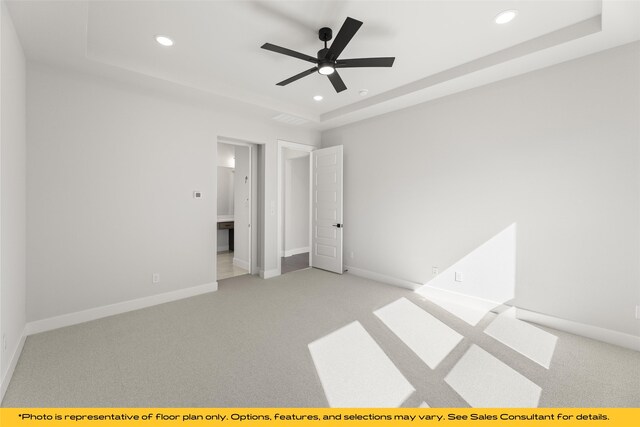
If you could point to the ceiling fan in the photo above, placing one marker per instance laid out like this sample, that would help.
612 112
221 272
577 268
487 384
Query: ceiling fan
327 61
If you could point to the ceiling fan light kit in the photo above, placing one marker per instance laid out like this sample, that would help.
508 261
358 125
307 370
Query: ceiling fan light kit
326 69
327 62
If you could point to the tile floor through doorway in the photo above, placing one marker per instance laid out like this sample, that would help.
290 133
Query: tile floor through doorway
226 269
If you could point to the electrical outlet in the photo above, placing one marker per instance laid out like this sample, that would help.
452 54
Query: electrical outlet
638 311
156 278
434 271
4 342
351 255
458 276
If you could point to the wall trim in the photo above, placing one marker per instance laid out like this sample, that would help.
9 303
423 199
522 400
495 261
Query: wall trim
378 277
4 384
589 331
449 293
595 332
241 263
268 274
296 251
69 319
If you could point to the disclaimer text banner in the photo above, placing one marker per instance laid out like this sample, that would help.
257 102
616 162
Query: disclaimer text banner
300 417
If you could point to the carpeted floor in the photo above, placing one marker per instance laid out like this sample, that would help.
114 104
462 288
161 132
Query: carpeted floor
247 345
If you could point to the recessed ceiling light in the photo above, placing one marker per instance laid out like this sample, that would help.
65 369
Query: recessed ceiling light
363 92
164 40
506 16
317 98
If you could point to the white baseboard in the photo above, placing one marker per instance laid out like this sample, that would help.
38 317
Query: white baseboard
595 332
268 274
382 278
449 294
56 322
241 263
223 248
296 251
4 383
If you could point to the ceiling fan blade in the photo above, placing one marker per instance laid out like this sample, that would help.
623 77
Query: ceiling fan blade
346 33
298 76
365 62
337 82
289 52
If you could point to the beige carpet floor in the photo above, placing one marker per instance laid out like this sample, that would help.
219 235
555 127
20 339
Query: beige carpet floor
246 345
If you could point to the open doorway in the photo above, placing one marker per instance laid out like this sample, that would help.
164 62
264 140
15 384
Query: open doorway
237 209
295 211
325 208
294 222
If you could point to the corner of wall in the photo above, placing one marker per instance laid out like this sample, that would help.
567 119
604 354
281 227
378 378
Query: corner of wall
6 379
12 198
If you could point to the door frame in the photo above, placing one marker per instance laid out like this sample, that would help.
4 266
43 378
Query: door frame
253 240
282 144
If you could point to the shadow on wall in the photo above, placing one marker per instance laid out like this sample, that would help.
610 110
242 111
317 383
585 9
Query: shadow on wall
356 372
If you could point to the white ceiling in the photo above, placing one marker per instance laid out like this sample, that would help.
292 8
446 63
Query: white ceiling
441 47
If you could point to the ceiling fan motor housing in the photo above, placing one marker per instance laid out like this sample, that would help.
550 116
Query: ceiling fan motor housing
323 60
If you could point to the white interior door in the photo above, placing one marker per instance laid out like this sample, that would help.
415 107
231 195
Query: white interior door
326 209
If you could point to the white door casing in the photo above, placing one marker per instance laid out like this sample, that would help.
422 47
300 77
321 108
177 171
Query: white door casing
326 209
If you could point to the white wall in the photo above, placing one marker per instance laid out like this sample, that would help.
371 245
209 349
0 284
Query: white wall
488 272
555 151
225 189
111 171
296 205
226 155
224 197
12 196
242 207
